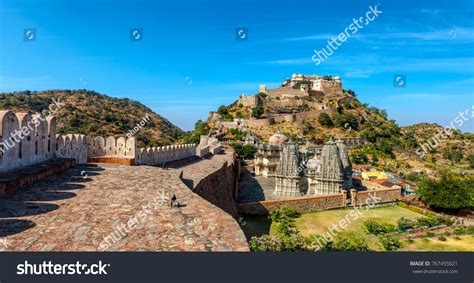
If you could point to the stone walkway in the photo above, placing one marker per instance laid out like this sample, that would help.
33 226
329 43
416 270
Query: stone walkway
114 208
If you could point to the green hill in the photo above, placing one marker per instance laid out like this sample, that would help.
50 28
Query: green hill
91 113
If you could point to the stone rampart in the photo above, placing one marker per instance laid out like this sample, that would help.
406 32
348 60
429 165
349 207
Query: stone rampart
72 146
164 154
381 195
25 139
317 203
301 204
215 179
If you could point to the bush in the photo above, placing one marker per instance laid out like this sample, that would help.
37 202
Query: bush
390 243
405 224
470 230
434 221
360 158
287 238
460 231
350 244
430 233
428 221
264 243
325 121
376 228
285 218
257 112
442 238
319 243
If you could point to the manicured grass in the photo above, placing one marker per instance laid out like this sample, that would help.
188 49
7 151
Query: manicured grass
464 243
319 222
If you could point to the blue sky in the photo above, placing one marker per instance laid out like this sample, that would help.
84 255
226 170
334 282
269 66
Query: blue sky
189 61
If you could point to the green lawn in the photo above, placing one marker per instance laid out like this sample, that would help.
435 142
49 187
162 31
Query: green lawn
319 222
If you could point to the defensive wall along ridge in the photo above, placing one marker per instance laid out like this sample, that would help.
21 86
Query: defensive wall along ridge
209 202
27 139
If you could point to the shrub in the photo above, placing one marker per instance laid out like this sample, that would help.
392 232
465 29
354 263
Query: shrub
325 121
376 228
257 111
470 230
430 233
350 244
263 243
390 243
319 243
405 224
460 231
360 158
442 238
428 221
285 218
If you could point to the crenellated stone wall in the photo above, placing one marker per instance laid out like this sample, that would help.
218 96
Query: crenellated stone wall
25 139
72 146
111 147
28 138
161 155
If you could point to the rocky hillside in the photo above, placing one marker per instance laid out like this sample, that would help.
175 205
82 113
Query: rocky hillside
91 113
390 147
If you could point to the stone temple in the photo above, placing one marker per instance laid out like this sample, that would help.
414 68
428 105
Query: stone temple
288 172
332 172
328 172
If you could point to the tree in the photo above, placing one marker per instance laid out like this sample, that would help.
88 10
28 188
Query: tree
325 121
257 111
470 158
345 120
222 110
360 158
451 191
385 147
247 151
200 128
375 159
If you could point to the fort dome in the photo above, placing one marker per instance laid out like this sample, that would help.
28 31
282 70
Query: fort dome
277 139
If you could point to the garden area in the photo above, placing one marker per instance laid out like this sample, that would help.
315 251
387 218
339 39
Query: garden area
389 228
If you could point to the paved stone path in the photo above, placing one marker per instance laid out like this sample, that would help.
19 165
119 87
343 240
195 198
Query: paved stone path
115 208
